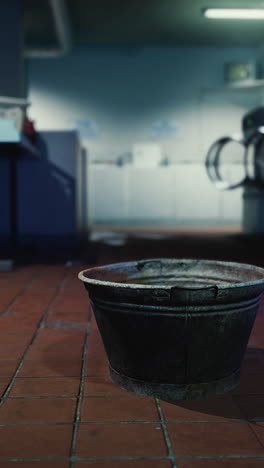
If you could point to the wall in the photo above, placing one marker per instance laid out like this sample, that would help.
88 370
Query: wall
11 50
11 84
169 95
117 97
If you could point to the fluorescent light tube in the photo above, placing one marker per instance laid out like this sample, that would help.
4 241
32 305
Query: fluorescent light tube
235 13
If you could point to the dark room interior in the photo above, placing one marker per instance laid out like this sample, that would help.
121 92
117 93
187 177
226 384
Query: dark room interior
132 133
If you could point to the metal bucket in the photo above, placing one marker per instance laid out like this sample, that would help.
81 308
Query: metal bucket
175 329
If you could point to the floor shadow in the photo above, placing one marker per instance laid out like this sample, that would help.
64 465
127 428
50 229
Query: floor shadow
243 402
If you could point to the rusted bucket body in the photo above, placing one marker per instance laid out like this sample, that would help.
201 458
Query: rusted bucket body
175 329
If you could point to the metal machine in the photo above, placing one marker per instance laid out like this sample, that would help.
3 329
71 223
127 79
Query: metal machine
252 145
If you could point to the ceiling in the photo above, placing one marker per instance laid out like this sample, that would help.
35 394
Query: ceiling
140 22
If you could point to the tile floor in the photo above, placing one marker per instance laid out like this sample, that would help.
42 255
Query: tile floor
59 408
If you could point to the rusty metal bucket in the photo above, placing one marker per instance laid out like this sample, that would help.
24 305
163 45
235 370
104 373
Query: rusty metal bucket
175 329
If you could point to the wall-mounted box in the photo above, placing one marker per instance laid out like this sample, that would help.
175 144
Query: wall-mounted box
14 110
238 72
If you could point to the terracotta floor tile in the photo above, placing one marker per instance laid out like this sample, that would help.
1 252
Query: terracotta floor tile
95 342
18 328
221 407
258 428
37 291
26 310
41 410
15 339
3 384
97 366
252 406
30 321
120 440
68 317
11 351
35 464
30 317
253 353
59 337
258 328
46 386
35 441
93 322
227 438
101 385
66 325
7 368
70 303
124 464
32 305
257 339
96 352
253 342
119 409
95 332
221 463
259 321
76 311
74 351
250 383
51 368
253 361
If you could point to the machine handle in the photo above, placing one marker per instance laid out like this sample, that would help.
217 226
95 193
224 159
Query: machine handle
212 164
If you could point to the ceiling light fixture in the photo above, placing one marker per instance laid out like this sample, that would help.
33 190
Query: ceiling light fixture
234 13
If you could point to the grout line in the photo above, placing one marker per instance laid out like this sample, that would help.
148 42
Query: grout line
29 397
87 375
39 325
159 421
41 359
167 438
80 396
74 358
183 457
225 457
85 459
41 397
52 376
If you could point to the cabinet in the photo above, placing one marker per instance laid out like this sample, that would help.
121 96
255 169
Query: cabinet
47 188
174 194
149 195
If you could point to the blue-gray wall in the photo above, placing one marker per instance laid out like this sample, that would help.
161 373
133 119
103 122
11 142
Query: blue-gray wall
118 97
11 49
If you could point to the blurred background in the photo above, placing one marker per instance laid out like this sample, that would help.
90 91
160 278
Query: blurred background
107 111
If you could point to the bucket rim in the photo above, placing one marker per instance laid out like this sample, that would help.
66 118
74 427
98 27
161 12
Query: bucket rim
132 286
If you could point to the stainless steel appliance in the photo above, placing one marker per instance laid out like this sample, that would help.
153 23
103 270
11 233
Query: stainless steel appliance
252 151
